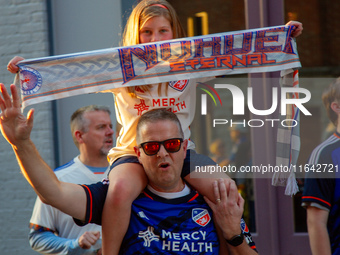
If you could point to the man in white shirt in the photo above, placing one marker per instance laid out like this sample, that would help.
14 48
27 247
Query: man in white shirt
54 232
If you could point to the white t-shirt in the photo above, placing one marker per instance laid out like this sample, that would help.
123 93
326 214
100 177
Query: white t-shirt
52 218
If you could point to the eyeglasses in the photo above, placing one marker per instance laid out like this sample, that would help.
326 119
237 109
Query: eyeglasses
171 145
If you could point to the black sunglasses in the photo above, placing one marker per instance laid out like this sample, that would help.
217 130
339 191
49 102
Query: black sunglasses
171 145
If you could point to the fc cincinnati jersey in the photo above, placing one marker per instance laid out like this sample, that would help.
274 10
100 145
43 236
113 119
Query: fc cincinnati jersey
182 225
324 193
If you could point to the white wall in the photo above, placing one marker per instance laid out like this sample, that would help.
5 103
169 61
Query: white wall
23 31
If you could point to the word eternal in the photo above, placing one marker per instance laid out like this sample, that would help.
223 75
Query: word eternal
217 62
216 52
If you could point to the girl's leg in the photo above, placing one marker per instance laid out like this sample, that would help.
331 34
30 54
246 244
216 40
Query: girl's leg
126 182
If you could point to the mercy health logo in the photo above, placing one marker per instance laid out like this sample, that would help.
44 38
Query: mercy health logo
289 100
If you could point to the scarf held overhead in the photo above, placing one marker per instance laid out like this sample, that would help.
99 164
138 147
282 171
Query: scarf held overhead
248 51
257 50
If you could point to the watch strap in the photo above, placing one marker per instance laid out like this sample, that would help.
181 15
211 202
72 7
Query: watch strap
236 240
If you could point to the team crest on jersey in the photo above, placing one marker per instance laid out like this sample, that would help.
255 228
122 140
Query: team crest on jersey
30 80
201 216
244 226
179 85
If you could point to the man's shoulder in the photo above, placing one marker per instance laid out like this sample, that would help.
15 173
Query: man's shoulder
325 149
66 169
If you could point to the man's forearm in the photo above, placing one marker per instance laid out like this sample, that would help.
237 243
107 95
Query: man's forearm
319 239
67 197
37 172
317 230
47 243
16 129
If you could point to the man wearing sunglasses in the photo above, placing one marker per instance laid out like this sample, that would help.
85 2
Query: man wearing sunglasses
168 217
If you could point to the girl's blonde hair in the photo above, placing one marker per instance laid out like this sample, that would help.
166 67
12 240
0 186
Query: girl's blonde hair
143 11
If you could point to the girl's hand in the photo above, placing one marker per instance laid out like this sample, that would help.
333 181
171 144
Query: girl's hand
298 28
12 64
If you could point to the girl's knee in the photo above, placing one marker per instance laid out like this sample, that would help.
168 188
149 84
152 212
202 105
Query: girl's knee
122 192
127 181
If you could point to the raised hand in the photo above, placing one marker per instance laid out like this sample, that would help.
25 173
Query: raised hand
15 127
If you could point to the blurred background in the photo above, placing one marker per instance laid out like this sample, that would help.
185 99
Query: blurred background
38 28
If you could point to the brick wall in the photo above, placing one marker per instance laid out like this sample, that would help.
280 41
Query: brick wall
23 32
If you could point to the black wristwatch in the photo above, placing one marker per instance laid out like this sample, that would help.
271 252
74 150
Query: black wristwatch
236 240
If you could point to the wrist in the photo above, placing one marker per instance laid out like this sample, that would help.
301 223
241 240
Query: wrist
23 145
76 243
229 233
73 246
236 240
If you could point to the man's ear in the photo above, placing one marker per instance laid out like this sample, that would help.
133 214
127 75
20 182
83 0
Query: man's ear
79 136
137 151
335 107
185 146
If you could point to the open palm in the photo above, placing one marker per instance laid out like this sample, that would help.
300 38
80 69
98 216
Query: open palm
15 127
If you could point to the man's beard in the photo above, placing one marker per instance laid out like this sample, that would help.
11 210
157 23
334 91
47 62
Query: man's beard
104 150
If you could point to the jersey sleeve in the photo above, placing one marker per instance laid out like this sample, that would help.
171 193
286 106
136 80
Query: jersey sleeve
318 191
43 216
96 195
46 242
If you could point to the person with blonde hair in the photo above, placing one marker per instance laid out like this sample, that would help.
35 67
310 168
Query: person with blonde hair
150 21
